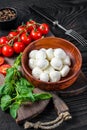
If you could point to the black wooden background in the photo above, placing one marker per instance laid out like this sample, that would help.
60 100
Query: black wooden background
71 14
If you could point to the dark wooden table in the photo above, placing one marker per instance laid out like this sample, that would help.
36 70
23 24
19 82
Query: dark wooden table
71 14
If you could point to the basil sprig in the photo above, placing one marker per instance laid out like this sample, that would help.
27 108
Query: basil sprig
16 90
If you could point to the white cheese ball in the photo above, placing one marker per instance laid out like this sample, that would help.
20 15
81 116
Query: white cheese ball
67 60
65 70
50 53
36 72
32 54
41 54
43 49
32 63
59 53
44 77
49 69
56 63
42 63
54 76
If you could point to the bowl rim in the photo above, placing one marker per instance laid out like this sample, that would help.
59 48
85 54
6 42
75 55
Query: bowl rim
50 83
12 8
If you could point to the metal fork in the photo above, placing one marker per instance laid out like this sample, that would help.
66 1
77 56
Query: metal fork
55 22
73 34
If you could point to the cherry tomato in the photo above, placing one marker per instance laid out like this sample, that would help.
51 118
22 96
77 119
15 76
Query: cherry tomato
12 34
1 60
26 39
18 47
21 28
44 28
7 50
0 50
31 25
3 41
3 68
35 34
30 22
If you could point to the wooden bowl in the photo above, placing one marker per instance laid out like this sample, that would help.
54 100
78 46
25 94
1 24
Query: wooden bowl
53 42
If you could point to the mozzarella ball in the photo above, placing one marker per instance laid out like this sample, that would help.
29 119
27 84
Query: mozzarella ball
43 49
41 54
65 70
67 61
54 76
42 63
32 54
60 53
32 63
36 72
44 77
50 53
49 69
56 63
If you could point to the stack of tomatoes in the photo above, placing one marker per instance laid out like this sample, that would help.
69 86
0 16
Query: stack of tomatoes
17 40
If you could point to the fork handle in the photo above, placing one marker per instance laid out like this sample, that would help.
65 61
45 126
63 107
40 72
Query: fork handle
42 13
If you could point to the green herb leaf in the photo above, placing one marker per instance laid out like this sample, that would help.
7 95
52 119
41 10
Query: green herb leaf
17 90
9 75
5 102
25 97
42 96
18 61
23 86
2 89
7 89
14 108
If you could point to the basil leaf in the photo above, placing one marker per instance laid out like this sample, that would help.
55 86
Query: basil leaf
24 82
14 108
42 96
8 89
17 62
2 89
5 102
25 97
9 75
22 89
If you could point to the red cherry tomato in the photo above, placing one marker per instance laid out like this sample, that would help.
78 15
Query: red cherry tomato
26 39
0 50
3 41
7 50
44 28
35 34
31 25
21 28
3 68
12 34
18 47
1 60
